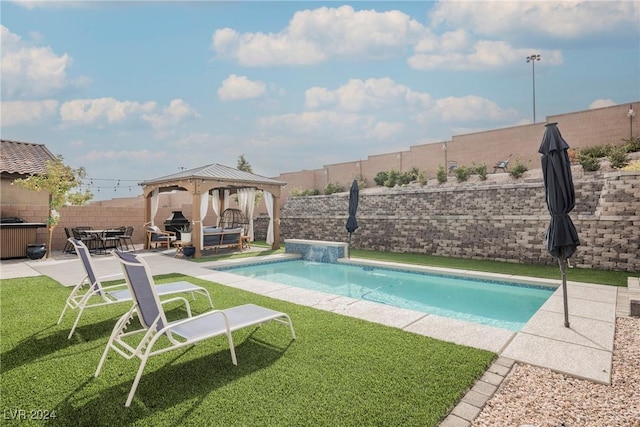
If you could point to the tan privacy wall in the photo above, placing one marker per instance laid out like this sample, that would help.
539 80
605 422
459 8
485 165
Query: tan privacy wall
504 221
599 126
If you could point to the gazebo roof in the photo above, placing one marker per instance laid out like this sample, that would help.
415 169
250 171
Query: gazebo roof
216 172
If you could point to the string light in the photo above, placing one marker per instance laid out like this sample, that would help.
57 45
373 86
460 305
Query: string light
97 184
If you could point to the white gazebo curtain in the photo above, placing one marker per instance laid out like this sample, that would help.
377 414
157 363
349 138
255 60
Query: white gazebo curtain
204 206
268 201
246 203
155 203
227 198
215 204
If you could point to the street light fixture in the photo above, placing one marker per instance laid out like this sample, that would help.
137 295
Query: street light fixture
533 59
631 114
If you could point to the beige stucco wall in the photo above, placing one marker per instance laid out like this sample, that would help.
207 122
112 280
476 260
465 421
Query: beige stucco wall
609 125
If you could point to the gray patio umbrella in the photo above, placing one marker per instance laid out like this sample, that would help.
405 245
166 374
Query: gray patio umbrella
352 223
562 237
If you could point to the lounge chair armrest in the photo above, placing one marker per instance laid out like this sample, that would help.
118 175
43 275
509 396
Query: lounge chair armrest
186 303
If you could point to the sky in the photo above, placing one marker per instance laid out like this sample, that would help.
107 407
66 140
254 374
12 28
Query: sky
133 91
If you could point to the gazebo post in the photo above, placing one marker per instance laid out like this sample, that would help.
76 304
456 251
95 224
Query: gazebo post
276 221
147 217
197 223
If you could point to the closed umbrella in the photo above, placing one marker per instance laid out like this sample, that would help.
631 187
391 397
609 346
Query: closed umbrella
352 223
562 237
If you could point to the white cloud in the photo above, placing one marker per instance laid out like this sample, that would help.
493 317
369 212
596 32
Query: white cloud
237 87
313 121
601 103
371 94
386 130
484 55
564 19
318 35
32 71
27 112
102 110
470 108
166 122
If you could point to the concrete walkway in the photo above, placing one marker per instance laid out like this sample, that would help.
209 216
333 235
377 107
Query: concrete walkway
584 350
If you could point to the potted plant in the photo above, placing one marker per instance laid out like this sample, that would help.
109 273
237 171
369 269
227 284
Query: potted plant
185 233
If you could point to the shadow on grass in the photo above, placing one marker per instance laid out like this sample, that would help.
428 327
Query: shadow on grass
43 344
176 387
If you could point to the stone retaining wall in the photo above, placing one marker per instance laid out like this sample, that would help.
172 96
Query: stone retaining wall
504 222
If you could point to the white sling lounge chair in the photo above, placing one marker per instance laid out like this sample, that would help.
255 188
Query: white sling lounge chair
98 295
181 333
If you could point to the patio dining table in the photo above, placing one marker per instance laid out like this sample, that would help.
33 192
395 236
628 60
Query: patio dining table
108 238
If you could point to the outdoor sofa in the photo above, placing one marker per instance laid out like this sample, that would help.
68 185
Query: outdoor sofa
217 237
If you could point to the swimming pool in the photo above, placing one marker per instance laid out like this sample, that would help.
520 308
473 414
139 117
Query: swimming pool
505 305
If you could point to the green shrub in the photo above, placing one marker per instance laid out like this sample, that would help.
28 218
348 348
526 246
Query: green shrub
407 177
393 178
422 178
589 164
333 187
462 173
480 170
595 151
618 157
380 178
297 192
632 145
362 182
441 175
518 170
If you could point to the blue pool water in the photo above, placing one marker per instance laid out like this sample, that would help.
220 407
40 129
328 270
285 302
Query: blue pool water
499 304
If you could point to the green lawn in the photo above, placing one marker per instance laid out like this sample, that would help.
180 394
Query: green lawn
339 372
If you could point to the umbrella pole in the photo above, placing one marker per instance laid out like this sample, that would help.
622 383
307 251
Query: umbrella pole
349 247
563 270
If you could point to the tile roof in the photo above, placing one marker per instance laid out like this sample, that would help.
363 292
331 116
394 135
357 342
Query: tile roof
23 158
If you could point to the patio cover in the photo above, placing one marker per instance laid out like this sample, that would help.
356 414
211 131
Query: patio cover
205 180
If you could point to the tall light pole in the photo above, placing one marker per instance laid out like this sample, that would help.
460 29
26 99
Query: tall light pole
630 114
446 163
533 59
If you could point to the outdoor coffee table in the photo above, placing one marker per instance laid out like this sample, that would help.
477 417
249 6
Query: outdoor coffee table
180 245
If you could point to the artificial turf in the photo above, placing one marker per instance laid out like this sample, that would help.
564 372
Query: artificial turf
339 370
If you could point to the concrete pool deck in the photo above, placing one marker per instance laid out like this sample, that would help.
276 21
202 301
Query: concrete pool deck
584 350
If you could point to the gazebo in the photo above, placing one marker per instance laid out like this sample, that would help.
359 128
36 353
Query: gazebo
212 185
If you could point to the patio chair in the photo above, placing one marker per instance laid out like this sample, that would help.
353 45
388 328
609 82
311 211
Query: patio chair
127 238
502 165
98 295
157 236
179 333
68 247
90 240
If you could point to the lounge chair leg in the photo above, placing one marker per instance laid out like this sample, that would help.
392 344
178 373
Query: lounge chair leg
63 311
134 386
73 328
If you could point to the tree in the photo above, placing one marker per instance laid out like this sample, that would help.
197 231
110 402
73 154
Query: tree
243 164
59 180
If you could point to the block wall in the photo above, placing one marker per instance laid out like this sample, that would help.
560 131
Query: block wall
503 222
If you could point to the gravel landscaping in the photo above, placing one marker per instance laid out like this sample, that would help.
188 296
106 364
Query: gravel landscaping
532 396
